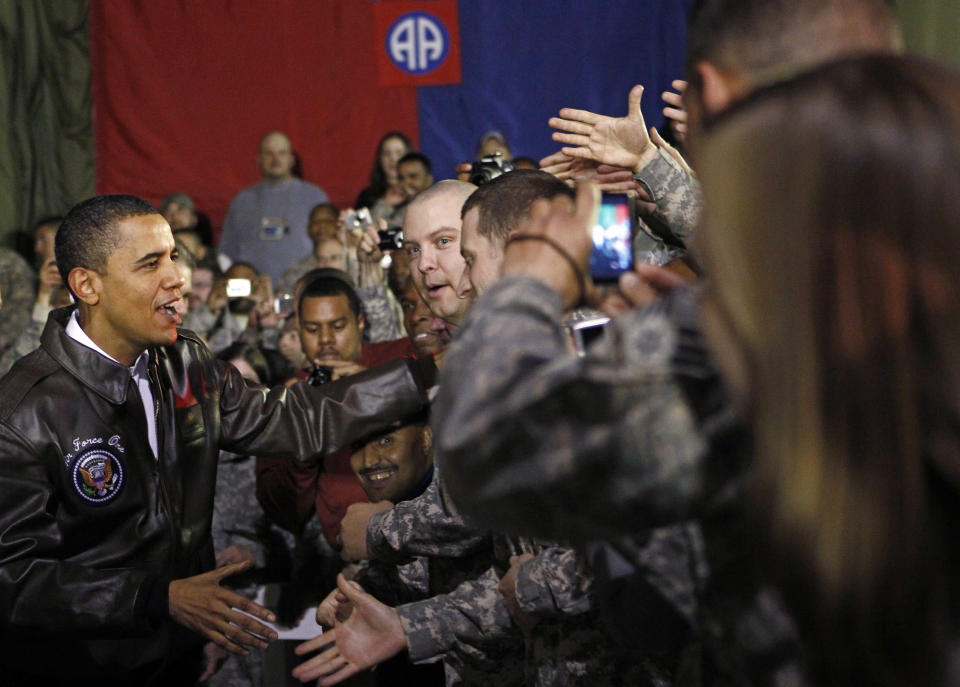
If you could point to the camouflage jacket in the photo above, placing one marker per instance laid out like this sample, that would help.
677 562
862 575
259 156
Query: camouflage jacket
26 342
638 434
427 525
532 429
567 647
677 196
18 294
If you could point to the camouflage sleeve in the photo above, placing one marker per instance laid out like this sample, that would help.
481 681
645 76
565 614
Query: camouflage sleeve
28 341
396 584
552 584
526 429
382 313
18 293
425 526
237 519
677 196
467 619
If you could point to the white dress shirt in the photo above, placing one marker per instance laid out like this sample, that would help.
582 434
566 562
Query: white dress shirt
138 371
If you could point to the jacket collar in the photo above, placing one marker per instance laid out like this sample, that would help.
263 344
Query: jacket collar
104 376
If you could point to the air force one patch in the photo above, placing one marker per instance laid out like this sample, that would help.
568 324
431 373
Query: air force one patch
97 476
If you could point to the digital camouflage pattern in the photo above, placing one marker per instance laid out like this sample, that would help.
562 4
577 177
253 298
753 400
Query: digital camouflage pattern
639 434
677 196
18 291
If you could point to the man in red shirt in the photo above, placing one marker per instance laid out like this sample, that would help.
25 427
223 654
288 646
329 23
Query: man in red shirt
331 333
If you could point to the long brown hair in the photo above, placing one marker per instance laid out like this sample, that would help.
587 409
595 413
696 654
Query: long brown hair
832 238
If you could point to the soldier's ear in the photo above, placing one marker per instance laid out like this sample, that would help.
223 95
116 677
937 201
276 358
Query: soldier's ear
85 285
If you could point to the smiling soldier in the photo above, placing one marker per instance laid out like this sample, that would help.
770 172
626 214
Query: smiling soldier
397 465
109 435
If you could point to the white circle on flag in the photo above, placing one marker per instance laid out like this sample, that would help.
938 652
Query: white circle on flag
418 42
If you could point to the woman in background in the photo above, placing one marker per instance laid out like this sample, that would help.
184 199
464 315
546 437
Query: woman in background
384 187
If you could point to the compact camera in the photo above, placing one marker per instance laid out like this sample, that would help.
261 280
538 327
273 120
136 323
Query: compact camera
357 219
391 238
585 332
320 375
283 304
489 168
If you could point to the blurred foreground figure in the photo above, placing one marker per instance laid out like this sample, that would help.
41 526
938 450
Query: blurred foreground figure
839 333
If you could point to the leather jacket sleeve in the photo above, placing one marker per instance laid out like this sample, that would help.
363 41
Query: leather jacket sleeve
302 421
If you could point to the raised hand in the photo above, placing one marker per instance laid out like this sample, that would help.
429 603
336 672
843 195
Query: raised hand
617 141
371 634
675 111
202 605
556 244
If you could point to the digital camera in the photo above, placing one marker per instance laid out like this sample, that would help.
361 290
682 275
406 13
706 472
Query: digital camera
391 238
489 168
320 375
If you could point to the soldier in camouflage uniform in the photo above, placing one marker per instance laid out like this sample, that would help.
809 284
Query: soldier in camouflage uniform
565 645
643 420
241 530
17 289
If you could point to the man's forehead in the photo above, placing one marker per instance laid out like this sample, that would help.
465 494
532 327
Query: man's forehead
325 308
432 217
275 142
324 215
412 166
140 228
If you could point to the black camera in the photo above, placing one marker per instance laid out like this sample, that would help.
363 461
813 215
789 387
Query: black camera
391 238
489 168
320 375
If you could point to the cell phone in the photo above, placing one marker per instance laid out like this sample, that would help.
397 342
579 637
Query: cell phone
283 304
238 288
612 238
586 332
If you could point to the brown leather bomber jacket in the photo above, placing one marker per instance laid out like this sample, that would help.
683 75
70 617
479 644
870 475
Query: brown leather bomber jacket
93 528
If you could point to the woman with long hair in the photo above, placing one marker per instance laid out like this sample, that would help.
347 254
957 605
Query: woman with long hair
831 243
383 177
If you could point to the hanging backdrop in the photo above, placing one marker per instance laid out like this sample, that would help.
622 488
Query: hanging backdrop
183 91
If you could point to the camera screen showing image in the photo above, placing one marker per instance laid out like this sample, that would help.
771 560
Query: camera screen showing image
238 288
612 238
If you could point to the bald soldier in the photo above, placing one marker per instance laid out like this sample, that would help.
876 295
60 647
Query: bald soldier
266 224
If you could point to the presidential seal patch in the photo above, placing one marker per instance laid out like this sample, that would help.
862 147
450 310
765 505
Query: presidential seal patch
97 476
